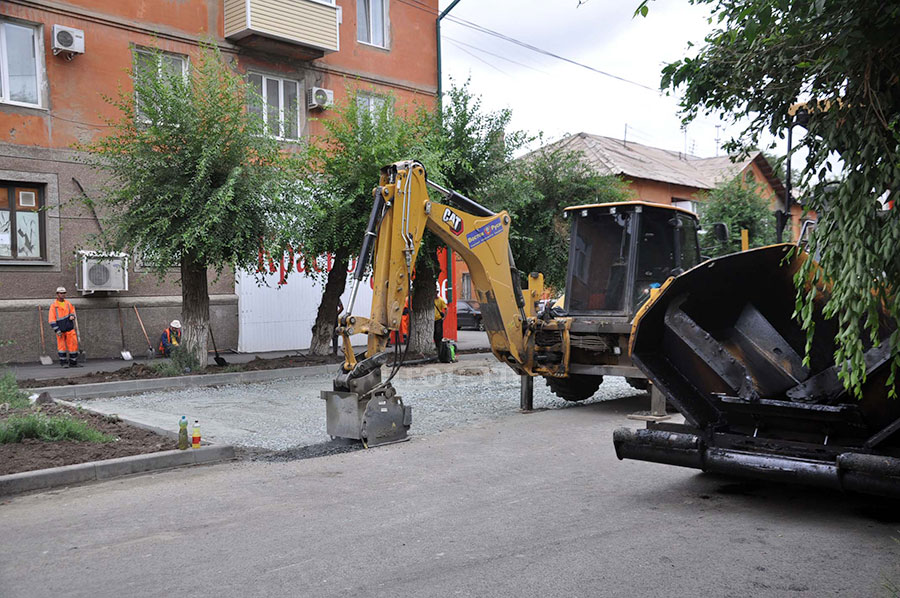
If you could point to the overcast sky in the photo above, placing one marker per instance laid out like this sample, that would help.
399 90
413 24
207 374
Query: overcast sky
549 95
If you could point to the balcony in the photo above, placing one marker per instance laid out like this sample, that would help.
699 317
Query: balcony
305 29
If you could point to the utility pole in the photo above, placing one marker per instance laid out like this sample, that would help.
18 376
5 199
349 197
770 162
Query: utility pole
717 139
625 138
440 89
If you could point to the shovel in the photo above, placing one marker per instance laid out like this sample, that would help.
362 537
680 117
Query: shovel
144 330
82 352
45 359
220 361
126 355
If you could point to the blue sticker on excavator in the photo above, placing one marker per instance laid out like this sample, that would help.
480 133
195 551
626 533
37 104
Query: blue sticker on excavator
483 233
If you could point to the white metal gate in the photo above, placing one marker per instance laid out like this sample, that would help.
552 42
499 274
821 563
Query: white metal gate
280 317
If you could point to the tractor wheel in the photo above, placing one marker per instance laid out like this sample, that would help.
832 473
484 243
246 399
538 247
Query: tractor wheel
575 387
638 383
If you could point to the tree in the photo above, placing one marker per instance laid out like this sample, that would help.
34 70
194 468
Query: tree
194 180
536 190
344 168
739 205
841 57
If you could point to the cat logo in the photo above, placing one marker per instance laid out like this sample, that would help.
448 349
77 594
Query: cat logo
454 222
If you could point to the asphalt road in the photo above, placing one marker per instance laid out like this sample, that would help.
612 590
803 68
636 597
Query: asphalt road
528 505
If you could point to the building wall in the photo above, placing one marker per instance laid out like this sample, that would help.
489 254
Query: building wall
36 144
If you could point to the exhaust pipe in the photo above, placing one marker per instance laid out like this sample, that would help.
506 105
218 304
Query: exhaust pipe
852 472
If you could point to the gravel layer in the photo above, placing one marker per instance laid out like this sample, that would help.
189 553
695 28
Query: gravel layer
283 415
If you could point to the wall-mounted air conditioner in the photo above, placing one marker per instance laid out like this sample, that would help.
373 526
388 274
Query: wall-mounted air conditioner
68 40
319 97
101 272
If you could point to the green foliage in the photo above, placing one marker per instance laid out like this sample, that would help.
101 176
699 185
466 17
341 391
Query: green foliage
476 145
50 429
179 362
535 190
842 58
345 165
740 206
10 393
192 171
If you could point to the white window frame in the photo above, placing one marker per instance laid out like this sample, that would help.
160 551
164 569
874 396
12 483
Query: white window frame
301 102
38 61
373 102
185 71
386 25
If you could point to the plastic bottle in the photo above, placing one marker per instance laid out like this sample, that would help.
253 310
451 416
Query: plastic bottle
182 434
195 435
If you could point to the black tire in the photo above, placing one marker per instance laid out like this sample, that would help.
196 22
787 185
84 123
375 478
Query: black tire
638 383
576 387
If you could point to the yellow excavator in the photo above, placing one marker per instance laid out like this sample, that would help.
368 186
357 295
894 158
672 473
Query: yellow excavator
619 253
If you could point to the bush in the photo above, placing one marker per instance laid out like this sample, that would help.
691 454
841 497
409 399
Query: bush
10 393
51 429
179 362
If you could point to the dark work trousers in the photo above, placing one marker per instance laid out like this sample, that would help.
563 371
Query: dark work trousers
438 333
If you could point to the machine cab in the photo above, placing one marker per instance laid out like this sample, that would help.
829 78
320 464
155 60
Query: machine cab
619 251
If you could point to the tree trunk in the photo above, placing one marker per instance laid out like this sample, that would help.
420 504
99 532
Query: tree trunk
195 309
323 328
421 328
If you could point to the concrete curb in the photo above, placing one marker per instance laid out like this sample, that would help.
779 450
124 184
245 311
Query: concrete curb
102 390
43 479
129 387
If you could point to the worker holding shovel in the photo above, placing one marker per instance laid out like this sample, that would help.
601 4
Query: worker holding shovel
62 319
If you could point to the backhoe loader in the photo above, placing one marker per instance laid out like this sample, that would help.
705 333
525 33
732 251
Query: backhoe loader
619 252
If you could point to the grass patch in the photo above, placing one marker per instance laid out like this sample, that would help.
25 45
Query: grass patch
51 429
10 393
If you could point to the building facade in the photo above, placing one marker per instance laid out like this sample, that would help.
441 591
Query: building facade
58 59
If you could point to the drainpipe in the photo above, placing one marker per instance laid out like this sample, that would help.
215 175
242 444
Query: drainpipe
438 28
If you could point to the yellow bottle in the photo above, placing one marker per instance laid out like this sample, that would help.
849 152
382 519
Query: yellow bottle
195 435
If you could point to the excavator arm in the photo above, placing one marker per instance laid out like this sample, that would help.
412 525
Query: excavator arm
401 213
363 406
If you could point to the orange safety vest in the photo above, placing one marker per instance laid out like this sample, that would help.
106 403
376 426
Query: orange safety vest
58 311
166 338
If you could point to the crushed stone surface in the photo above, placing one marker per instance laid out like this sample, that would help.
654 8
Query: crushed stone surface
289 415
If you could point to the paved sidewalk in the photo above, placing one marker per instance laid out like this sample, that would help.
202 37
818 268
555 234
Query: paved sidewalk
468 340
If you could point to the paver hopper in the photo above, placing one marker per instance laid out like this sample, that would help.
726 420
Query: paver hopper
721 342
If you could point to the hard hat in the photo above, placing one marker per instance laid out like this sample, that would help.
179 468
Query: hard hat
175 324
60 289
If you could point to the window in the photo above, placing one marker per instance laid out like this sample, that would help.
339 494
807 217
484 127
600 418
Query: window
21 221
685 204
163 65
370 103
280 107
598 273
371 22
20 65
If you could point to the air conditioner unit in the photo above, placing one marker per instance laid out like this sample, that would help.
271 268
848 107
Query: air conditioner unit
101 272
319 97
67 39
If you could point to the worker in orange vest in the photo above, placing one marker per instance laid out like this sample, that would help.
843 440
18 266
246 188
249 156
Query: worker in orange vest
171 338
61 316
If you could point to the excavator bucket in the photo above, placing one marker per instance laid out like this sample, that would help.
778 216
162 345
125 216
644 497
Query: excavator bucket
722 344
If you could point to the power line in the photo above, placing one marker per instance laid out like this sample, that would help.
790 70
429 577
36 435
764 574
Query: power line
528 46
496 68
459 43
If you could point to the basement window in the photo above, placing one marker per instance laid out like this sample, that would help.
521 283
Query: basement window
21 221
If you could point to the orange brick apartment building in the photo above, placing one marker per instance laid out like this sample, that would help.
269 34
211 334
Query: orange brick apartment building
57 59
